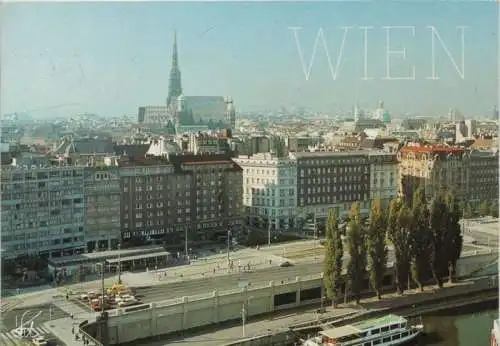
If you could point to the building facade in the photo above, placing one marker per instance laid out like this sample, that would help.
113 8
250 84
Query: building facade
483 177
42 209
269 190
102 207
332 180
166 199
384 176
434 168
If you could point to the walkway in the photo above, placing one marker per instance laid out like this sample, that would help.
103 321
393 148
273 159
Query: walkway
254 328
63 328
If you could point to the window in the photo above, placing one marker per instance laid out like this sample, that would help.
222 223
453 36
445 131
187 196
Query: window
384 329
388 339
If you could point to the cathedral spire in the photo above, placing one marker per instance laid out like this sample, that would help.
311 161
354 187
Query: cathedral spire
174 85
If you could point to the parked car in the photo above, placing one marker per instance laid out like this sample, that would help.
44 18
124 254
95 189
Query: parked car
286 264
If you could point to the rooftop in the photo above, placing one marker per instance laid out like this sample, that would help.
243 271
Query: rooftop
379 322
432 149
340 332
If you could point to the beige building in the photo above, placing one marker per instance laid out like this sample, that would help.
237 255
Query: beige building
384 176
102 207
472 175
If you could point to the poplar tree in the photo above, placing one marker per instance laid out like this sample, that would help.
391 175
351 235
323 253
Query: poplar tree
420 239
376 247
332 272
356 242
453 234
438 221
398 231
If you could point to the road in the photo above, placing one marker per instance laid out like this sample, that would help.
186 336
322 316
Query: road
229 282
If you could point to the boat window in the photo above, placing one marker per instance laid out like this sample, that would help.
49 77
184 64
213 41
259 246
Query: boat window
376 342
384 329
404 334
387 339
363 335
397 336
375 331
403 325
367 344
394 326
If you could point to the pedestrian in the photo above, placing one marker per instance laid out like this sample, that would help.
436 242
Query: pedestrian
72 330
71 316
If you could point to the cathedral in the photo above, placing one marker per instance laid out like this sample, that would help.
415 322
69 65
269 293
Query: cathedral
183 113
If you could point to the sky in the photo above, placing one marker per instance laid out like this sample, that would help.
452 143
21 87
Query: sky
111 58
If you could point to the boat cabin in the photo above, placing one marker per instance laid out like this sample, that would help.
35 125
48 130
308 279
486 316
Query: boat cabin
371 332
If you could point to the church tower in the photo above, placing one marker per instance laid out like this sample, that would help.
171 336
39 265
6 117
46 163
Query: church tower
174 83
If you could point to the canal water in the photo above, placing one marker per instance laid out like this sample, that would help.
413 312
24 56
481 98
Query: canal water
467 326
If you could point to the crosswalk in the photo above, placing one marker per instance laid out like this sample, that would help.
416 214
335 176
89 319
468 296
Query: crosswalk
7 305
9 339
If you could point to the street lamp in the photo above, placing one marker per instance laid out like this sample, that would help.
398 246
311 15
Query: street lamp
269 232
186 241
119 264
102 285
228 246
244 286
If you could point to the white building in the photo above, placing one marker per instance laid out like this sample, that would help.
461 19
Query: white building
269 189
384 173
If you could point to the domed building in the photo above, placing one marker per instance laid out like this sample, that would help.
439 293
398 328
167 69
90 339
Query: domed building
381 114
386 118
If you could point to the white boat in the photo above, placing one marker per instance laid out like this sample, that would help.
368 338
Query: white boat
389 330
495 333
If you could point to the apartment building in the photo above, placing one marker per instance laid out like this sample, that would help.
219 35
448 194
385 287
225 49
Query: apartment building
149 192
435 168
216 192
204 143
42 208
269 190
102 207
332 180
482 185
171 197
384 176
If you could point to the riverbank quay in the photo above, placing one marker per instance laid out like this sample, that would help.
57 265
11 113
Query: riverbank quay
412 303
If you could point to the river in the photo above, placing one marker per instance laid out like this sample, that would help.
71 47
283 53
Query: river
460 327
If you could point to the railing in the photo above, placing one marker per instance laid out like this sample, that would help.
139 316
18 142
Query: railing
87 336
262 285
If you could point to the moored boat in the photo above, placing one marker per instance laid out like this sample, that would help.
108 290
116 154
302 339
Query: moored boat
390 330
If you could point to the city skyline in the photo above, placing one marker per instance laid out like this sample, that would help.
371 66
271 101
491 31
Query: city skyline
110 58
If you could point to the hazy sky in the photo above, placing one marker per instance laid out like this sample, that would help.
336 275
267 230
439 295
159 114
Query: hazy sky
109 58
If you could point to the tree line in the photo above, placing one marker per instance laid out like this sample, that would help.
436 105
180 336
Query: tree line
426 239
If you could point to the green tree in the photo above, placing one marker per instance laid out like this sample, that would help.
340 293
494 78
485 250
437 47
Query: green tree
453 235
398 230
467 211
332 272
356 242
438 221
420 239
494 210
377 247
484 209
